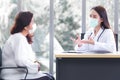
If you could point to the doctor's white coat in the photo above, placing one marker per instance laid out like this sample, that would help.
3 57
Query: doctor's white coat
104 41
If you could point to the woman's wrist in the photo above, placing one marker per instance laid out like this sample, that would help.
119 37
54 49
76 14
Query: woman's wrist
79 45
38 67
38 64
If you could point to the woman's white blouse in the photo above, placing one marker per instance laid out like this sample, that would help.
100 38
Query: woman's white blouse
105 42
17 52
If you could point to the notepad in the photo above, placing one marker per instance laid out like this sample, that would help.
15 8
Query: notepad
100 51
93 51
73 51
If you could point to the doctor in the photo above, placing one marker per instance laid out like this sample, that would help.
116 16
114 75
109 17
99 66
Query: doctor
100 37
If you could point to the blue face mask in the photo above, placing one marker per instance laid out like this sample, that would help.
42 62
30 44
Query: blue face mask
93 22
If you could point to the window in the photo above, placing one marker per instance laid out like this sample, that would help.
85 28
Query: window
118 27
8 9
40 9
67 23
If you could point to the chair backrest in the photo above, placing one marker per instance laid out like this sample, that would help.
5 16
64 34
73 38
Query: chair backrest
0 56
0 61
10 67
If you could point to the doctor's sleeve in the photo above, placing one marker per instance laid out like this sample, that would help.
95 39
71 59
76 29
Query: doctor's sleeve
108 44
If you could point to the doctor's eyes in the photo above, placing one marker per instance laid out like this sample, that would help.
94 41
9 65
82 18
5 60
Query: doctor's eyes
93 16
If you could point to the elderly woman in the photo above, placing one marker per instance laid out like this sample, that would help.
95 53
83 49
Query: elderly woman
18 52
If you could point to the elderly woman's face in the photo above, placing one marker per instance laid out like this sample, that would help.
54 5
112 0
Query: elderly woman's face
30 26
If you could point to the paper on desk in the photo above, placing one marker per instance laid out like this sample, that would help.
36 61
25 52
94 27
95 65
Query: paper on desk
73 51
86 52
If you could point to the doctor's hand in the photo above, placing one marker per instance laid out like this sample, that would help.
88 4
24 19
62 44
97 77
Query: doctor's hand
89 41
77 40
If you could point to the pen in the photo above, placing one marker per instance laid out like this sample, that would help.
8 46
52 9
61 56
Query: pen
89 35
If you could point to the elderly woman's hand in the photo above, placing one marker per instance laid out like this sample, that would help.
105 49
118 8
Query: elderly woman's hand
38 64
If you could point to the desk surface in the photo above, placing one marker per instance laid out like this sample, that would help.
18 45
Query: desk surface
91 55
75 66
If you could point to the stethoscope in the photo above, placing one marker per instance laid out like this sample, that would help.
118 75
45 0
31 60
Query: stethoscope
99 35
